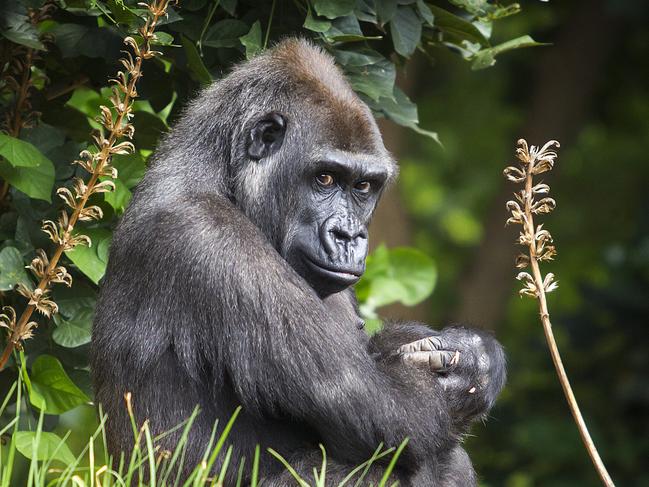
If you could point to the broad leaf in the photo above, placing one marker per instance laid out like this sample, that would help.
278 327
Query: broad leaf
401 110
20 153
76 331
357 57
487 57
403 275
314 24
92 260
79 40
34 181
12 270
148 129
252 40
226 33
457 26
50 446
16 26
334 8
374 80
385 10
51 389
195 62
130 170
405 29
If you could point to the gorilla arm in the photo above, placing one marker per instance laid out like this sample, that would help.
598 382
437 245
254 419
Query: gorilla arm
468 363
285 355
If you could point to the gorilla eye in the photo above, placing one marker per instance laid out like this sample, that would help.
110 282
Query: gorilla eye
363 186
325 179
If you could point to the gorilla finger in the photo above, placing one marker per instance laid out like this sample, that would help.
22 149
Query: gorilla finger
422 345
435 360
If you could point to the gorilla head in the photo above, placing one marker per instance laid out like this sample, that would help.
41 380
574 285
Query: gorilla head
314 166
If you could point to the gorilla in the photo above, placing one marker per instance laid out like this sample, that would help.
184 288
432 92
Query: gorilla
230 280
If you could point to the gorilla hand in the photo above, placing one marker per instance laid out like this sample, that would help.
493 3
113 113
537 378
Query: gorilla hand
469 365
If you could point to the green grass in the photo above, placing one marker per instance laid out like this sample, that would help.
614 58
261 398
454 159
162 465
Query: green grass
50 461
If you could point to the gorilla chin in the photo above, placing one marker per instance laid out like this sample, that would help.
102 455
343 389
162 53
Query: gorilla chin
326 276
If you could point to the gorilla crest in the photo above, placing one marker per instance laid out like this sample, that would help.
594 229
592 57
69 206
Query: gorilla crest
230 281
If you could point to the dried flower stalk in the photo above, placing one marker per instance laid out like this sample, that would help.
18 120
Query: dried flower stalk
530 201
97 162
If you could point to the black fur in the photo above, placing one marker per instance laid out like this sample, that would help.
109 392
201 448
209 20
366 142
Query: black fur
207 300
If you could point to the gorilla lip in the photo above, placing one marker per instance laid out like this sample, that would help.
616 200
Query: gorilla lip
348 275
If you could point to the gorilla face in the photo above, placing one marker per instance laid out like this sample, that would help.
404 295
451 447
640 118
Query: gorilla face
333 193
339 192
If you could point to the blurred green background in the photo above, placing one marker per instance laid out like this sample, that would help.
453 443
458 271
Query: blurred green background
589 88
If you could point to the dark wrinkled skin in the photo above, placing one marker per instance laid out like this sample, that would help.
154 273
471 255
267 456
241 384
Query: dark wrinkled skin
229 283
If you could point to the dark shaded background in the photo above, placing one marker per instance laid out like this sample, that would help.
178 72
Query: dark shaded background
590 90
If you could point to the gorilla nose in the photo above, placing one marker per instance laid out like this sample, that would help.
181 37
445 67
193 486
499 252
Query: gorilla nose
348 233
345 239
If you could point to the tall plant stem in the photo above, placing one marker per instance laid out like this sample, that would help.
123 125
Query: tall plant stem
552 344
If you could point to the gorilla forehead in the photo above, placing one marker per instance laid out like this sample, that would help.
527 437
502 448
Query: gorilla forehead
313 78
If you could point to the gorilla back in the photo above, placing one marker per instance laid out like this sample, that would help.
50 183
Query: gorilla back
229 283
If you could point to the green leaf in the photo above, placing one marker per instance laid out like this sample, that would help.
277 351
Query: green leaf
487 57
405 29
344 26
401 110
316 25
374 80
425 12
16 26
79 40
92 260
334 8
357 57
226 33
130 168
148 129
385 10
123 14
252 40
50 446
457 26
20 153
163 39
12 270
52 390
35 177
76 331
365 11
119 198
195 62
401 274
229 6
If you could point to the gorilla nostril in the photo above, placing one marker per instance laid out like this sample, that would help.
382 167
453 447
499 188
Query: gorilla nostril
341 234
347 234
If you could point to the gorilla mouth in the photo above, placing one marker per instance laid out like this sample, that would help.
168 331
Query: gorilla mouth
346 275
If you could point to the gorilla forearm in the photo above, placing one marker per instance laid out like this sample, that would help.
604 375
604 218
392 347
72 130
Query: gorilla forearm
313 368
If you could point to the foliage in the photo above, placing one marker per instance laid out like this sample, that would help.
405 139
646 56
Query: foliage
57 58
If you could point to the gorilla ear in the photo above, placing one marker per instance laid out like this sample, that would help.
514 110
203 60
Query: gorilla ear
266 136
